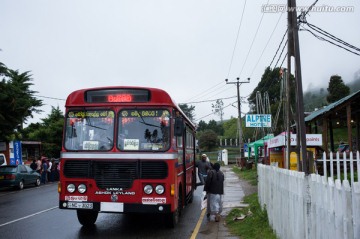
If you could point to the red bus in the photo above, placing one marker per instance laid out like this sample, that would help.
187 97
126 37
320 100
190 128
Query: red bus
126 150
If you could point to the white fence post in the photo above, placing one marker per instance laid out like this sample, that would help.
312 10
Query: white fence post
312 206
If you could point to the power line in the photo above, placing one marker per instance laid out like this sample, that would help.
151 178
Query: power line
252 43
47 97
237 36
205 92
280 54
323 39
266 44
277 50
203 101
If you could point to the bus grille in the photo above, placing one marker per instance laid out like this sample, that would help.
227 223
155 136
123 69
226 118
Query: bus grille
115 174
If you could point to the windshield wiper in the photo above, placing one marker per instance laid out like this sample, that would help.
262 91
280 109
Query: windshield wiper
143 121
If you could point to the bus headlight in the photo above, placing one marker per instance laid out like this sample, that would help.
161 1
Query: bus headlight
148 189
71 188
159 189
82 188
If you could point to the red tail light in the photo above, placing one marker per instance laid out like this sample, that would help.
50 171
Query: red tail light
10 176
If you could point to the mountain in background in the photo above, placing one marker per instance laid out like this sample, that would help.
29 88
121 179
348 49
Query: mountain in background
316 98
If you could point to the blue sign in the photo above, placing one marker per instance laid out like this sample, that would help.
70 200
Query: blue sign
258 120
246 148
17 152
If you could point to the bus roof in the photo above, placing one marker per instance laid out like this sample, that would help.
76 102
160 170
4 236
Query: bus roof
157 97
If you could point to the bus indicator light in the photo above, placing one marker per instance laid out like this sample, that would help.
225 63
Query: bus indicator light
120 98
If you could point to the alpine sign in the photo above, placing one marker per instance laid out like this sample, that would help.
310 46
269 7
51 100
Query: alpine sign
258 120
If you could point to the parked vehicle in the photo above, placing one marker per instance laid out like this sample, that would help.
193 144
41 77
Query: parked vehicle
18 176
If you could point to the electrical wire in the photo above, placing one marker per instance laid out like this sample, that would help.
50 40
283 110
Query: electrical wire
272 33
280 54
277 50
237 37
323 39
252 43
203 101
47 97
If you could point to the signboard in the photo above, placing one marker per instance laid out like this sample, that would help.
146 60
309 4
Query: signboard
15 153
280 140
246 148
258 120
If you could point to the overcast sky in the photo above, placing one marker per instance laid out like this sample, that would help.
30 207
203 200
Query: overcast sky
184 47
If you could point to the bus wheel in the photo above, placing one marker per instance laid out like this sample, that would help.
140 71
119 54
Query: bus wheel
173 218
87 218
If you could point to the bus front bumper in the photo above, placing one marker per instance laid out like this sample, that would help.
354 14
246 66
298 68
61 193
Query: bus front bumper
116 207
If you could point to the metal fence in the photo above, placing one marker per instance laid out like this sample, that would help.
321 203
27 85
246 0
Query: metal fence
313 206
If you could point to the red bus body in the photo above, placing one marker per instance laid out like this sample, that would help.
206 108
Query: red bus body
126 150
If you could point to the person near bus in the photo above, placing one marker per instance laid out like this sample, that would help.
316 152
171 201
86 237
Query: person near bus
203 167
214 187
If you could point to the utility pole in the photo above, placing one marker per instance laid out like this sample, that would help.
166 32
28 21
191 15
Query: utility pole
238 83
293 44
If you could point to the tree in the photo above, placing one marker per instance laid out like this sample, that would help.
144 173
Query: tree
208 140
218 109
337 89
214 126
49 132
202 126
17 102
188 110
271 83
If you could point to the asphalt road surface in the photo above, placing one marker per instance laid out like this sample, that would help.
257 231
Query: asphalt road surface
34 213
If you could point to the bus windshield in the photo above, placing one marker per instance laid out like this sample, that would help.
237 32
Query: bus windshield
89 130
144 130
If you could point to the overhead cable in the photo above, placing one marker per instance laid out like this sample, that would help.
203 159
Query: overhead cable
237 37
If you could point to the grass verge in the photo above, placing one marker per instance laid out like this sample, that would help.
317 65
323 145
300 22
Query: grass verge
255 224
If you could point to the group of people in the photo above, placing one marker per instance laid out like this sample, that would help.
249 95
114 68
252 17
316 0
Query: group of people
212 178
47 168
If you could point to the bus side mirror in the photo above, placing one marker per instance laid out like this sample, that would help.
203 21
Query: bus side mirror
179 127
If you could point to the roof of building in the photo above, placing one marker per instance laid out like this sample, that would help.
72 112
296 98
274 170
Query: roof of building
332 106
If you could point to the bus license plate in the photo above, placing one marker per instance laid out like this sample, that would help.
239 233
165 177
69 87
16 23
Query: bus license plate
80 205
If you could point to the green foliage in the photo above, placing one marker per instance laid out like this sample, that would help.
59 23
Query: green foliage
212 125
247 174
17 102
337 89
255 225
188 110
256 222
271 83
231 128
208 140
49 132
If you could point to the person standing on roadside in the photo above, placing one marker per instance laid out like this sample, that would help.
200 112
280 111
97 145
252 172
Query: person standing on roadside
49 164
38 166
44 171
214 187
33 165
203 167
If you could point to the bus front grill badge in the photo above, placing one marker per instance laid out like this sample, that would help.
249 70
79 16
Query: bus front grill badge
114 198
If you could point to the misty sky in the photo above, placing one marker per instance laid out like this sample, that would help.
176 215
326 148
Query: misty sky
184 47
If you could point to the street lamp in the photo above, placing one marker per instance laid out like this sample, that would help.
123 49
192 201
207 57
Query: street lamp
238 83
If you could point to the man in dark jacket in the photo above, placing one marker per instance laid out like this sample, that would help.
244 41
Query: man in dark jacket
214 187
203 167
